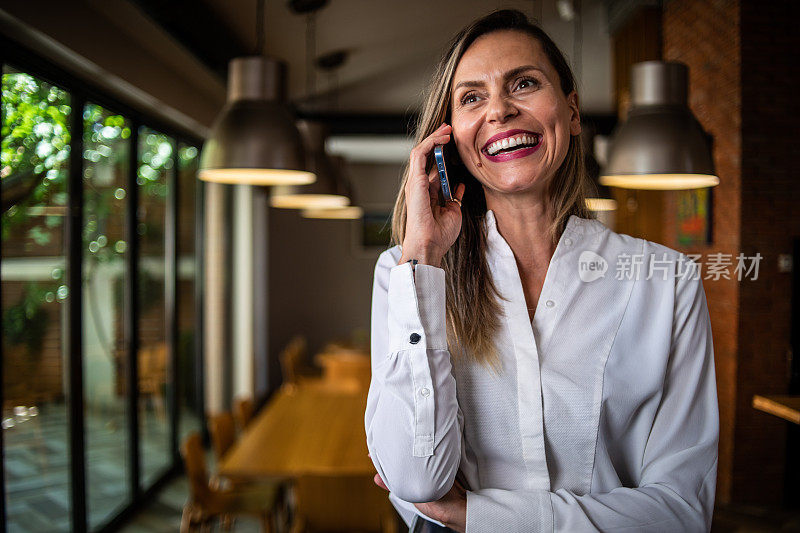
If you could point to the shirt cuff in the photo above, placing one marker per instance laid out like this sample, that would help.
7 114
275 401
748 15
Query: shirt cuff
505 510
417 308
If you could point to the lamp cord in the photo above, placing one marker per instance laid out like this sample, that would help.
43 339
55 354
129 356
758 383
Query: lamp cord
311 52
260 27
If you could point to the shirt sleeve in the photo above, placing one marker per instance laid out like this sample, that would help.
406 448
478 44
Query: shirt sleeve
679 465
411 420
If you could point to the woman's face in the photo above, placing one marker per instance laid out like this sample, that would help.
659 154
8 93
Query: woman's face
509 113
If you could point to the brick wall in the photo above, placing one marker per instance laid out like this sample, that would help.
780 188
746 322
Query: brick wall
639 212
770 219
32 378
741 89
705 36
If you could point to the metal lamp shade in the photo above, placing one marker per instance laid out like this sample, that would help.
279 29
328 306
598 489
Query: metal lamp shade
600 199
350 212
330 190
661 146
254 139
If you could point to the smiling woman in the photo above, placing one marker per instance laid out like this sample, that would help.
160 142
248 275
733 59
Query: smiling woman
501 80
510 390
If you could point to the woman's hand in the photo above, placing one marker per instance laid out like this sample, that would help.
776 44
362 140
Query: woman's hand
450 510
430 229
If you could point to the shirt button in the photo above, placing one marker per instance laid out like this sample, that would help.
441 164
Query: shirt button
550 303
425 392
568 242
414 339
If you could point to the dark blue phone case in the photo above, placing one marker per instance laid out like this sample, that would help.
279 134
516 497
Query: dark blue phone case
438 154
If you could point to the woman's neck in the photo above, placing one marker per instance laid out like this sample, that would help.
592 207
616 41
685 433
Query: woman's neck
525 225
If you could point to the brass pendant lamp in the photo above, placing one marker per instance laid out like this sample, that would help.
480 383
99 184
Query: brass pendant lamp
254 140
661 146
329 191
348 212
600 199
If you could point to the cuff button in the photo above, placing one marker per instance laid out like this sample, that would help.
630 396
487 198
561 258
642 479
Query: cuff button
414 339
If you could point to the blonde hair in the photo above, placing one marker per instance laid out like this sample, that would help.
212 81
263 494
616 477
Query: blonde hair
472 299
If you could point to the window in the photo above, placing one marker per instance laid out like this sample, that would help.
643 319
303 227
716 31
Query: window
78 450
34 170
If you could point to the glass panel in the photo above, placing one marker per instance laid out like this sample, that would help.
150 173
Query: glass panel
106 152
190 412
34 170
156 163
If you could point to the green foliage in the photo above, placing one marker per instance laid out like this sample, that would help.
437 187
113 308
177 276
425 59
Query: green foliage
36 139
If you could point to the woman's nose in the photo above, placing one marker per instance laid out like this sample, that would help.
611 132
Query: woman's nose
500 109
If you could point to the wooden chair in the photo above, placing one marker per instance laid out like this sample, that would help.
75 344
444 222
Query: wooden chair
223 433
293 362
207 502
341 503
243 410
153 377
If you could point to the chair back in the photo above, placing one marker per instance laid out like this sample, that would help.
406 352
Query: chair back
243 409
342 503
293 359
194 461
223 433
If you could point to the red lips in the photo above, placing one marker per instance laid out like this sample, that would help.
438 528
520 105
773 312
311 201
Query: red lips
505 134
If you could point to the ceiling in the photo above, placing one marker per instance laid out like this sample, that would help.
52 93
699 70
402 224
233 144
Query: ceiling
393 46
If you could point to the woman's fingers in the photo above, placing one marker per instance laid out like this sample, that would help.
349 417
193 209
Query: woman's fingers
434 185
458 197
460 192
419 155
378 481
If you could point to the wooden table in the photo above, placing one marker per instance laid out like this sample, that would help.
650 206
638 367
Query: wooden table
310 429
347 368
786 407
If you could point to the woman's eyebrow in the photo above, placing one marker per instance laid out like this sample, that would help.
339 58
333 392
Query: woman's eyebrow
510 74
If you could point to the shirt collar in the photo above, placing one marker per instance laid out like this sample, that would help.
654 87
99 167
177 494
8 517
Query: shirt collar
576 228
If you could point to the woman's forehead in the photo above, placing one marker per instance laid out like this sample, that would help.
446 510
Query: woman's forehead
498 52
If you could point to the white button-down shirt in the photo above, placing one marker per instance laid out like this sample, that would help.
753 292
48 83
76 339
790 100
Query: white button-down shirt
604 416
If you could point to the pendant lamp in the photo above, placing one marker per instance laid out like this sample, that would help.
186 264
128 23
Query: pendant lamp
601 198
329 191
349 212
254 139
602 201
661 146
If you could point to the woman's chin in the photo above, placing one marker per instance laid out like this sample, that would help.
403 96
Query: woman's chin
517 189
514 183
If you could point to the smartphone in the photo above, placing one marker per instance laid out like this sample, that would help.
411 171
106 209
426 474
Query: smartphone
438 154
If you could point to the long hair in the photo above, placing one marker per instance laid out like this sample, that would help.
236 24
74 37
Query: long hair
472 299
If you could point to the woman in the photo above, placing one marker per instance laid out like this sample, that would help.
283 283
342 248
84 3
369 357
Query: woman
532 369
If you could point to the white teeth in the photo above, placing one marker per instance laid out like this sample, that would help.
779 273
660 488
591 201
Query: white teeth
510 142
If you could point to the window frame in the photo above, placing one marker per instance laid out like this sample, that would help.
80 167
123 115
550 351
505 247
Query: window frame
81 92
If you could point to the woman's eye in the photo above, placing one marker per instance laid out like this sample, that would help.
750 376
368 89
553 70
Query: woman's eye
468 98
526 83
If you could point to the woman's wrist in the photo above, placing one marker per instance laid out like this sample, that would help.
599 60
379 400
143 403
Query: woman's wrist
423 255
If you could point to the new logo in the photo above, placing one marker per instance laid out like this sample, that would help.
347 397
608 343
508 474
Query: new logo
591 266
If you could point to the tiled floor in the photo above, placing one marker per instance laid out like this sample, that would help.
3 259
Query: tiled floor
36 462
164 514
37 465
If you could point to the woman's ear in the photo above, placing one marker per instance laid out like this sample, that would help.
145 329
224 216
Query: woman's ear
575 114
